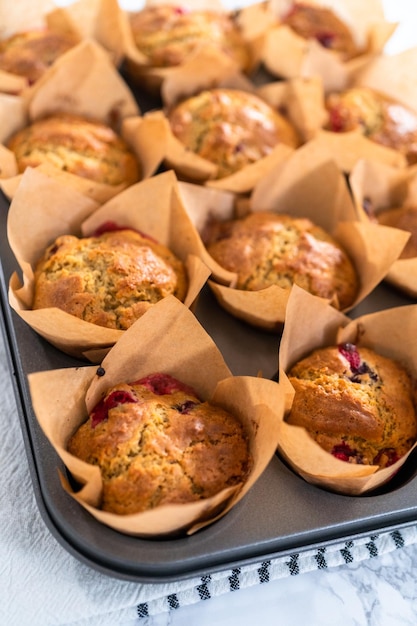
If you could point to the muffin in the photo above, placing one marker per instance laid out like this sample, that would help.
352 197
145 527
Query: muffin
323 25
31 53
167 35
108 279
76 145
376 116
266 249
230 128
404 218
355 403
157 443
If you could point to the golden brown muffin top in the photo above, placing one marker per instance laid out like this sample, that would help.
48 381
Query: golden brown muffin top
230 128
31 53
109 279
76 145
376 116
357 404
167 35
266 248
157 443
322 24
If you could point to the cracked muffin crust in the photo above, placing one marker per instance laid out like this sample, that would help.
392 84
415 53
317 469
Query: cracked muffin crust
167 35
358 405
157 443
31 53
76 145
109 279
268 248
230 128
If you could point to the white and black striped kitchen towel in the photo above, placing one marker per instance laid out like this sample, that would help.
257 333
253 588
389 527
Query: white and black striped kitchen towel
213 585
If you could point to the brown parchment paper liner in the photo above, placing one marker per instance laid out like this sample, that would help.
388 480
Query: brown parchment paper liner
169 339
114 33
387 187
311 324
85 82
287 55
308 184
43 209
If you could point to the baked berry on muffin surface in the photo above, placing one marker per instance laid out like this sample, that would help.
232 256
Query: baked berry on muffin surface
376 116
322 24
357 404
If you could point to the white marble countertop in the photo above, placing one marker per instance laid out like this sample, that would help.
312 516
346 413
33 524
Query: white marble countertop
41 584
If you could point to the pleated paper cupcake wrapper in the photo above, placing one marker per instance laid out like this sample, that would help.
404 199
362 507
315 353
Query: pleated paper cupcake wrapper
312 324
309 184
387 187
391 75
82 82
115 34
287 55
167 339
42 209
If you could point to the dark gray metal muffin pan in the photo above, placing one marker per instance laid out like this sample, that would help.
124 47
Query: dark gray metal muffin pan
281 514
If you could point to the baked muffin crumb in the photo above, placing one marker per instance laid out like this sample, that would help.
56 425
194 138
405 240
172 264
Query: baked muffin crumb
168 35
157 443
267 248
355 403
76 145
109 279
230 128
31 53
